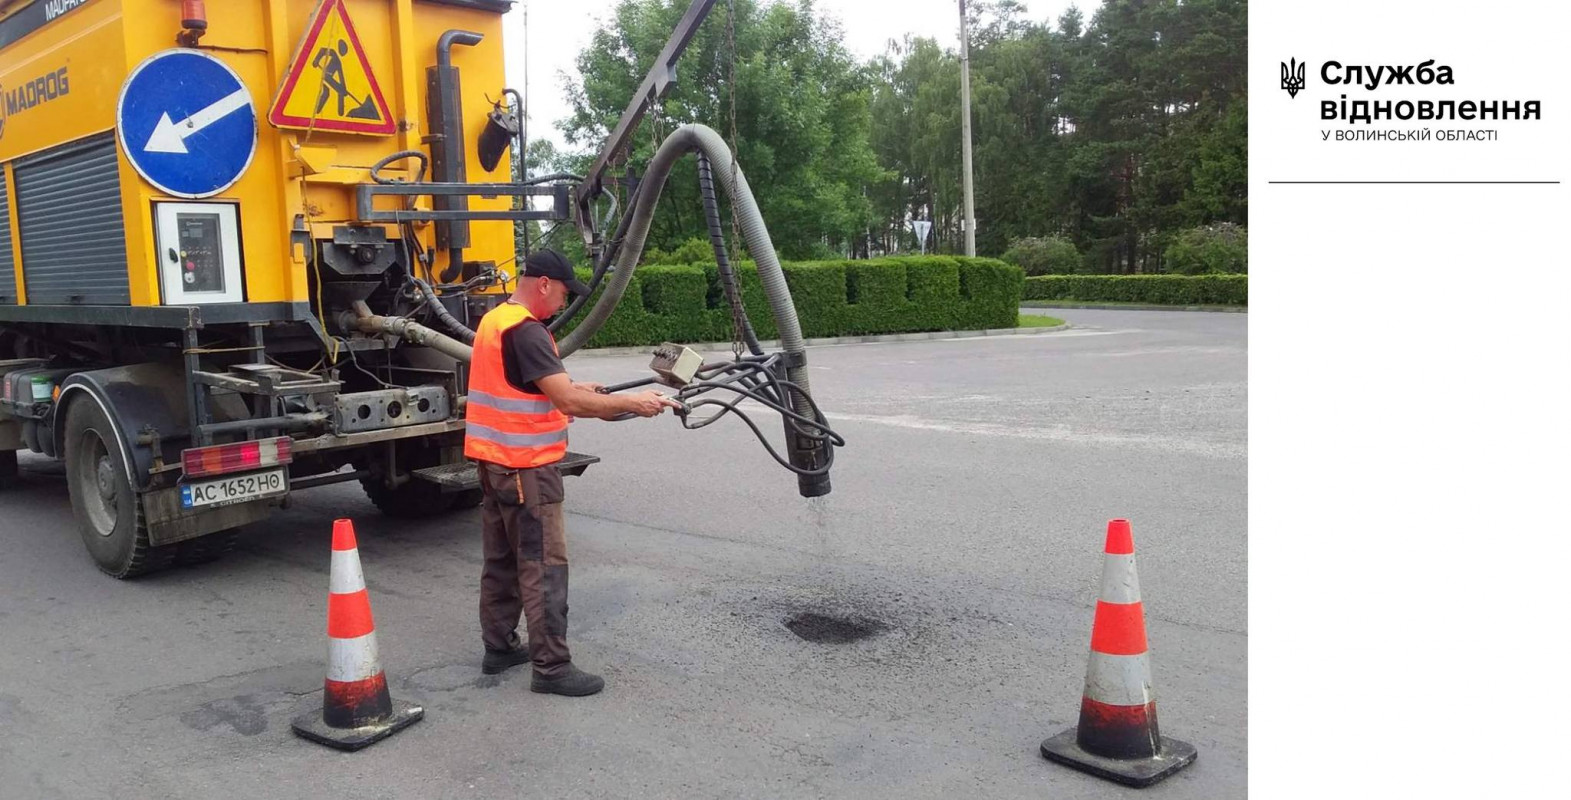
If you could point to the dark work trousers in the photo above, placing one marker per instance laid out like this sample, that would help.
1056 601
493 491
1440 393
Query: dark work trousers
525 569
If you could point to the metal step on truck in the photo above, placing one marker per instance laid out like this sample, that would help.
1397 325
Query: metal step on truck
244 245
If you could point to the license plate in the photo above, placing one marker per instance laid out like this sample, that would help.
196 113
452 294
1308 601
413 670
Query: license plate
236 489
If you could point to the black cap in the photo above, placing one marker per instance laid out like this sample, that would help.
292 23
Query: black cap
551 264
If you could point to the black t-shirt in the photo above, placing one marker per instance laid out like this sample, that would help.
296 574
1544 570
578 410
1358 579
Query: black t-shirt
527 356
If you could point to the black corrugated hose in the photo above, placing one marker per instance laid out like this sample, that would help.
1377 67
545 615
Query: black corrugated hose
728 282
448 321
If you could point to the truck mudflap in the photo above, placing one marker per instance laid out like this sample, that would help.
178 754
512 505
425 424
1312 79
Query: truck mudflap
169 521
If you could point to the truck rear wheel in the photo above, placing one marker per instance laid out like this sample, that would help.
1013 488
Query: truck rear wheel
415 497
9 475
465 499
107 507
207 548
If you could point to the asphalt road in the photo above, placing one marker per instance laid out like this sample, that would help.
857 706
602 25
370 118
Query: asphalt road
966 524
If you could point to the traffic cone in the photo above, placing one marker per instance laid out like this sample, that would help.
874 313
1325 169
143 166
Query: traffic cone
1117 736
356 708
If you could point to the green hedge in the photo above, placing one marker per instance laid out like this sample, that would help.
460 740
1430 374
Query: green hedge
832 298
1173 290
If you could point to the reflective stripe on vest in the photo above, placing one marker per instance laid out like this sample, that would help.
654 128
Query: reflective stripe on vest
491 434
505 404
504 425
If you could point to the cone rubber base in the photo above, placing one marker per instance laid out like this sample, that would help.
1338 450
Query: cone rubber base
1172 756
309 725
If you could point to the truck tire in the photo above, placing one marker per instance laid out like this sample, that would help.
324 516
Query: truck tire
466 499
108 510
207 548
415 499
9 474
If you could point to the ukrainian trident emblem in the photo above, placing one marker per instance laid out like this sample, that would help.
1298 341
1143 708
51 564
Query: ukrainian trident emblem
1292 77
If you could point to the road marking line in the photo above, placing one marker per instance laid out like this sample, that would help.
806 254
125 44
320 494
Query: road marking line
1066 334
1061 433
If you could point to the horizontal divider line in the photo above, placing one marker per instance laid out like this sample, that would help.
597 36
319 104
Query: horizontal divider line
1426 182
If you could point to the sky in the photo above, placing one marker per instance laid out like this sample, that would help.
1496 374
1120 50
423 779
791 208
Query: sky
557 31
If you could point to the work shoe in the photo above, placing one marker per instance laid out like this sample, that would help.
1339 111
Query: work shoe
495 661
574 682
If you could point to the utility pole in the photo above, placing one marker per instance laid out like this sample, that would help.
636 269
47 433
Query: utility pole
523 133
524 112
965 130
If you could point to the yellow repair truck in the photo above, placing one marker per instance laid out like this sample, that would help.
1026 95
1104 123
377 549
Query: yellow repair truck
244 245
189 253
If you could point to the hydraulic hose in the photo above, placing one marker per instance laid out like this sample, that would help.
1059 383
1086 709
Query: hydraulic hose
728 281
376 169
806 454
702 139
555 176
458 329
412 332
608 253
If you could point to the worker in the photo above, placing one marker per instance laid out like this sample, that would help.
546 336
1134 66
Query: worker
520 403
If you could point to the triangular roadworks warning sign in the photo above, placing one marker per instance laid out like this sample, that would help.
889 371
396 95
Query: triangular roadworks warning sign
330 86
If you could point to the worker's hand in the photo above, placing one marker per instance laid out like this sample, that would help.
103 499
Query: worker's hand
651 403
588 386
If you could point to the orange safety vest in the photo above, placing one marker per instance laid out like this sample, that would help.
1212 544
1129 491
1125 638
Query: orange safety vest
506 426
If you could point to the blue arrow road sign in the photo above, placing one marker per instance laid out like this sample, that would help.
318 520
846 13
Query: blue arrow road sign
187 123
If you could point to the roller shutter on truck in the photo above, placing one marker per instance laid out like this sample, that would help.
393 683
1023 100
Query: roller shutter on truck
7 261
71 226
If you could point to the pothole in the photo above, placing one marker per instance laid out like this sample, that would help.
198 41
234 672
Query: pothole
825 629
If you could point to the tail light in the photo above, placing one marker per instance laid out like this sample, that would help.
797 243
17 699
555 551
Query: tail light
221 459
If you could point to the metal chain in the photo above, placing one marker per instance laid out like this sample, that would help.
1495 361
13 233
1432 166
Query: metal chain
656 128
656 137
736 251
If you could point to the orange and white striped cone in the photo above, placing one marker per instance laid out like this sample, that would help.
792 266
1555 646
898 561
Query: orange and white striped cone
356 708
1117 737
